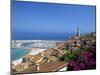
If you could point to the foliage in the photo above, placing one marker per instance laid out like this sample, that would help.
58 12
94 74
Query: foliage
67 56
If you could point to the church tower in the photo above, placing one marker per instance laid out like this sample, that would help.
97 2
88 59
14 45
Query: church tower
78 32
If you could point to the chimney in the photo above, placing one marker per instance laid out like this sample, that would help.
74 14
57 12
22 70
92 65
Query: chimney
38 67
42 54
48 60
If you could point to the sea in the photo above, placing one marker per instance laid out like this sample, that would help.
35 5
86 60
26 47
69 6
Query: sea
18 53
41 36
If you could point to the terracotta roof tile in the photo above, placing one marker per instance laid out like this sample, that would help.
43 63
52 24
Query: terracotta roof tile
51 66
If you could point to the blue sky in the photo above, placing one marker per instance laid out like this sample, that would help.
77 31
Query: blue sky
54 18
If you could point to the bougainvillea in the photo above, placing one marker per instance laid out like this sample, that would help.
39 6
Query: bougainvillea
85 60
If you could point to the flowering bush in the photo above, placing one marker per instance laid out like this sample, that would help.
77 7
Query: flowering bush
85 60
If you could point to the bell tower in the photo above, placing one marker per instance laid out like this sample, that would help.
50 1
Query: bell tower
78 32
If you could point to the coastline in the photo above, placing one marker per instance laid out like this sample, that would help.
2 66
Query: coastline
32 52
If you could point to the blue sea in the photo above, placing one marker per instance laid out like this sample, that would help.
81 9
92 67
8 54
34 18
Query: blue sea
17 53
41 36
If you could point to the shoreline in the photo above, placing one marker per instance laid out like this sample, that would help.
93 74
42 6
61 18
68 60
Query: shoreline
32 52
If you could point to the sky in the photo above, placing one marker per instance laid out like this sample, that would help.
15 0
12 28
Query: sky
52 17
